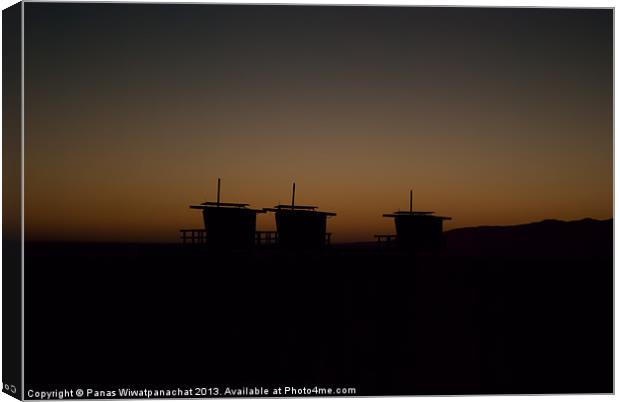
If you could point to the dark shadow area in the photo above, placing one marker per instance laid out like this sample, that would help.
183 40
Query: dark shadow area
487 315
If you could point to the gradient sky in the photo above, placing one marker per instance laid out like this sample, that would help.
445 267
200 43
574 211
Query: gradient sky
493 116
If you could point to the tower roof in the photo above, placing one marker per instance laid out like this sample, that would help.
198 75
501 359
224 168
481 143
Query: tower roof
413 213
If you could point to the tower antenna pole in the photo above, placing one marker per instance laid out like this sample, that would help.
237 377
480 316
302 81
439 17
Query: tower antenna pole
293 200
218 191
411 201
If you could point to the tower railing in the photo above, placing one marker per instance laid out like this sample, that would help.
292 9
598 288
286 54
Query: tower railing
262 237
266 238
386 240
193 236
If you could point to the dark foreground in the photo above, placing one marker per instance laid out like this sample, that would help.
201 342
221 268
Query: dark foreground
164 316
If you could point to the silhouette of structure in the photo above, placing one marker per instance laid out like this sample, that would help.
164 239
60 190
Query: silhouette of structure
301 226
227 225
417 230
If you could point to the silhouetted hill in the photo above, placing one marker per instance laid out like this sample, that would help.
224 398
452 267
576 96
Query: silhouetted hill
552 238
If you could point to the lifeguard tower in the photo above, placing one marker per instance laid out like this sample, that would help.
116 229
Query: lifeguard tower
417 230
228 226
301 226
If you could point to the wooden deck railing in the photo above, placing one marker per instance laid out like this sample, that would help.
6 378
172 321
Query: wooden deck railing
193 236
386 240
262 237
265 238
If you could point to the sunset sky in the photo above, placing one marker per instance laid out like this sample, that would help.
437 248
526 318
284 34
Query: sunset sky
492 116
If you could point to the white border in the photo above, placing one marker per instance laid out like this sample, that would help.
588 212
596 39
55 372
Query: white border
460 3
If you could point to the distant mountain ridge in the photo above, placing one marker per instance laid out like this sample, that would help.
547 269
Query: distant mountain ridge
554 238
